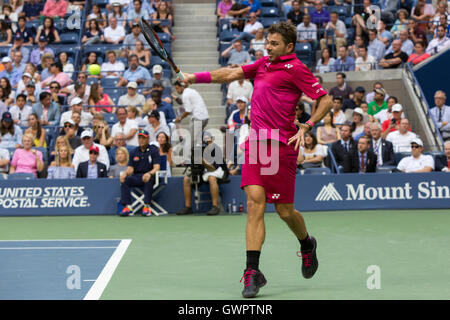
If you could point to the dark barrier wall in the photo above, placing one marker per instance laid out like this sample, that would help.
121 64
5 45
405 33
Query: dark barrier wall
434 76
313 193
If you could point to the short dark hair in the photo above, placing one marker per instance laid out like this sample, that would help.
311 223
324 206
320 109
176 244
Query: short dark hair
287 31
58 65
338 98
21 95
44 95
366 137
341 74
178 83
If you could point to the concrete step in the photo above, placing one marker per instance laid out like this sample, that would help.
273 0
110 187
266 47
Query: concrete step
198 67
182 60
179 5
199 42
194 11
194 29
212 36
195 20
209 47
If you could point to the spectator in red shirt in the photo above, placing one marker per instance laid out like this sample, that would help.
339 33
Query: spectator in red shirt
392 124
419 55
55 8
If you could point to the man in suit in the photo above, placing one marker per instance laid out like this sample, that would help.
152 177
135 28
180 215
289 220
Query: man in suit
442 163
362 159
441 114
92 169
382 148
47 110
344 146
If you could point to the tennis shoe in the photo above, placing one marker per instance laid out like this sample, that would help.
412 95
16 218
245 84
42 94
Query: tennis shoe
309 260
253 281
146 211
127 211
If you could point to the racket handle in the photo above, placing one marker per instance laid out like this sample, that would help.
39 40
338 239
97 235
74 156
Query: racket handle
180 76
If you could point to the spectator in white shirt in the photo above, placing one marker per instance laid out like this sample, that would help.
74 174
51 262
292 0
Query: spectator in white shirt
337 28
417 162
126 126
112 68
132 98
365 62
154 126
20 111
250 28
307 32
76 105
114 34
402 138
82 152
239 88
338 115
440 42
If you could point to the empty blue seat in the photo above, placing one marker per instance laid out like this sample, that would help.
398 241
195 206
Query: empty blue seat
400 155
317 171
269 12
109 82
100 2
267 22
164 37
228 35
269 3
91 81
69 37
21 176
110 118
304 53
385 169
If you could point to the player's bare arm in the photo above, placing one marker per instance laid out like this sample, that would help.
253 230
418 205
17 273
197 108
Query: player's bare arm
222 75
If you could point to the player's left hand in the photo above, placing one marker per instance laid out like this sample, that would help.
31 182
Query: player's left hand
299 138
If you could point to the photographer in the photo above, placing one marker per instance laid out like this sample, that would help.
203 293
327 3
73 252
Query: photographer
210 170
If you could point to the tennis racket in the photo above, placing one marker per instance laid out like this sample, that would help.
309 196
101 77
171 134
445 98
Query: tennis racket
157 46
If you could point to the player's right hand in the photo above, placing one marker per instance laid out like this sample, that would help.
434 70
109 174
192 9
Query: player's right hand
189 78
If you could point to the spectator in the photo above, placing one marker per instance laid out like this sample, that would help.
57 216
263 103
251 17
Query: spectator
237 117
365 132
342 89
355 102
439 43
371 95
362 159
47 111
212 160
239 88
55 9
10 134
312 154
54 90
307 32
236 55
158 75
118 141
32 9
394 59
62 167
365 62
70 132
44 67
48 30
158 86
4 161
300 114
383 35
401 138
335 33
252 6
343 62
91 59
328 133
239 12
320 16
417 162
82 152
386 114
76 104
150 105
30 92
358 122
401 23
442 163
378 103
113 68
68 67
20 111
162 19
102 134
92 169
223 7
25 32
142 168
154 127
36 131
441 114
343 146
126 126
93 33
78 90
27 159
132 98
5 34
18 46
415 33
393 124
163 106
119 14
250 28
37 53
135 72
338 115
296 15
122 159
7 95
96 14
56 75
419 55
9 73
137 12
129 43
76 118
101 99
165 149
142 53
326 62
114 34
382 148
133 113
26 78
423 12
407 45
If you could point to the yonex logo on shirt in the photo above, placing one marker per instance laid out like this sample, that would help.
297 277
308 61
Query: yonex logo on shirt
288 66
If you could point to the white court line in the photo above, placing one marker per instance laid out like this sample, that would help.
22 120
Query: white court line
52 248
105 276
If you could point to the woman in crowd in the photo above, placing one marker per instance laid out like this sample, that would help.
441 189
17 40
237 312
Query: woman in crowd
258 42
92 58
17 6
326 62
97 15
98 98
48 29
62 167
36 131
401 23
312 154
119 14
147 108
27 159
328 133
102 134
165 149
7 94
122 158
142 53
93 33
419 55
133 113
68 67
59 143
5 34
46 61
10 133
358 122
162 19
223 7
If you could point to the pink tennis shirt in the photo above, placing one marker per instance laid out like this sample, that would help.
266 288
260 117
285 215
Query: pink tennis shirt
277 89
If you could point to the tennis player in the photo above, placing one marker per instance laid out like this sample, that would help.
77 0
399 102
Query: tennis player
279 81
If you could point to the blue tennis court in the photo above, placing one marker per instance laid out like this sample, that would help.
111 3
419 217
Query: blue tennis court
58 269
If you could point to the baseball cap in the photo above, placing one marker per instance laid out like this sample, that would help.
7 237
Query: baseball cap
94 148
18 37
69 121
397 107
157 83
143 133
31 84
86 133
7 117
207 136
381 91
359 111
26 74
154 113
132 84
116 4
360 89
76 101
6 59
157 68
242 98
43 39
135 24
417 141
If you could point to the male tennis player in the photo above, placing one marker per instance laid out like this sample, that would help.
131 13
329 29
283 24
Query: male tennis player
280 79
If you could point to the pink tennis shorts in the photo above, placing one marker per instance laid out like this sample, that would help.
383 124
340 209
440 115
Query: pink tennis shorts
272 165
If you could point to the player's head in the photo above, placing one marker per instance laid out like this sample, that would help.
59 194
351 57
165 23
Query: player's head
281 40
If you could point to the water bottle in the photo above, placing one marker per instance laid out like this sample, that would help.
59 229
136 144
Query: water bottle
241 207
230 209
234 206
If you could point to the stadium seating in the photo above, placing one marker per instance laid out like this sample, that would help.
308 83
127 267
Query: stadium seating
21 176
317 171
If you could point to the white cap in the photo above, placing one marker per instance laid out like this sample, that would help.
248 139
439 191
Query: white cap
26 74
359 111
157 69
6 60
417 141
69 121
86 133
76 101
132 84
397 107
242 98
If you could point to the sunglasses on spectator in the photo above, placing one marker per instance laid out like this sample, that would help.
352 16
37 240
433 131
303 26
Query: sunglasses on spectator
54 87
415 147
93 152
68 126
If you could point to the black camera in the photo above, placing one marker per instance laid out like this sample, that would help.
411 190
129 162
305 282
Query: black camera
197 167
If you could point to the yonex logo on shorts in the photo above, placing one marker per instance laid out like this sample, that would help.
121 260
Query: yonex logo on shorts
328 192
275 196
